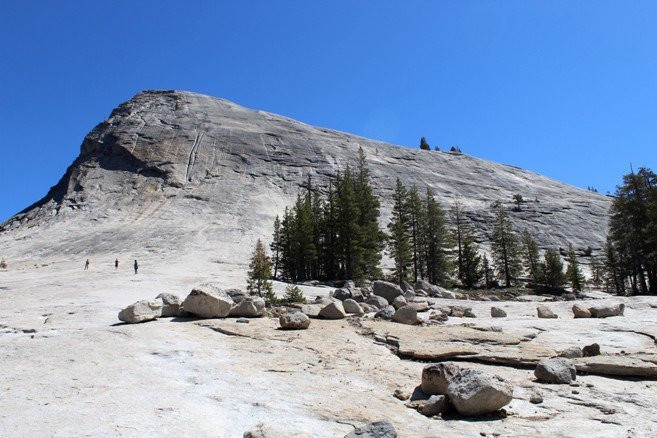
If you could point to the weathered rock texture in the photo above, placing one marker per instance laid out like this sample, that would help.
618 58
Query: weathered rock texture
184 171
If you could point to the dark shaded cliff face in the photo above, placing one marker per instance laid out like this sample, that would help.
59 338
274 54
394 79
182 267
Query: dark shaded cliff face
178 171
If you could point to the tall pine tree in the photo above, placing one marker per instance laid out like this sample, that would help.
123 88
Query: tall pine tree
505 249
399 246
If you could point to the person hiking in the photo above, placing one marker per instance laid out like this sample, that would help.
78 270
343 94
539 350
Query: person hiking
116 264
136 267
86 265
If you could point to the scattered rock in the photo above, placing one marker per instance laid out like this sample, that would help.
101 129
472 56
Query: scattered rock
556 370
349 284
385 313
401 394
607 311
170 304
496 312
387 290
474 392
141 311
571 353
422 285
579 311
436 405
208 302
378 302
294 321
399 302
405 315
591 350
544 312
351 306
334 310
378 429
270 431
448 295
436 377
251 307
536 399
367 308
469 313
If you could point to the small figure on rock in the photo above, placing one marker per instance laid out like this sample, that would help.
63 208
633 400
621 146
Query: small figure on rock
136 267
86 265
116 264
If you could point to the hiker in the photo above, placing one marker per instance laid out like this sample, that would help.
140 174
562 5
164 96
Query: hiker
116 264
136 267
86 265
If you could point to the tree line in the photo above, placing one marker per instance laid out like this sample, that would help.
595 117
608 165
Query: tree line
336 235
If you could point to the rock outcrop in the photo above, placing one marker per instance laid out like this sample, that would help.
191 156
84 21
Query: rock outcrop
141 311
193 172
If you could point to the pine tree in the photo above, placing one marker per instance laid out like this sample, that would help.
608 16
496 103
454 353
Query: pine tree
458 222
348 229
614 277
416 217
530 253
506 255
517 198
275 245
293 294
435 242
370 237
424 145
330 230
487 272
258 282
573 273
287 258
472 272
597 272
552 270
399 245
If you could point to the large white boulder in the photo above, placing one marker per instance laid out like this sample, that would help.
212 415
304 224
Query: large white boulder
141 311
207 301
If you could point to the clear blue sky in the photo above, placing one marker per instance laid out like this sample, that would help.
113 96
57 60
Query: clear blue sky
564 88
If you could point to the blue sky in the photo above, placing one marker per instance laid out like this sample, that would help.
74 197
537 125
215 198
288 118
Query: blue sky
564 88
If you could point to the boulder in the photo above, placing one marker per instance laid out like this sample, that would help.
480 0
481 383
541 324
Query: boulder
474 392
406 287
385 313
423 285
294 321
605 311
251 307
409 295
141 311
436 377
312 310
436 405
555 370
349 284
579 311
334 310
496 312
342 294
262 430
367 308
399 302
421 293
170 304
208 302
405 315
591 350
387 290
447 294
378 302
356 295
420 306
237 294
571 353
351 306
378 429
544 312
469 313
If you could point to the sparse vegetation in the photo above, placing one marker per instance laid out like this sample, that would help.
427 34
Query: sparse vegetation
3 264
424 145
258 282
293 294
